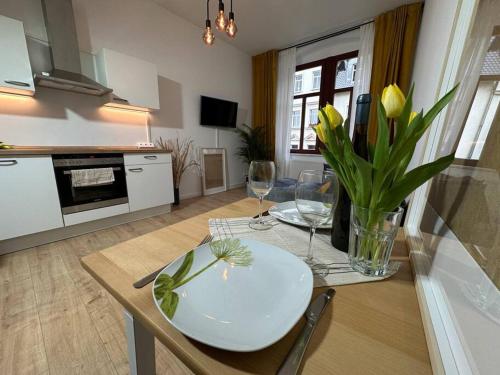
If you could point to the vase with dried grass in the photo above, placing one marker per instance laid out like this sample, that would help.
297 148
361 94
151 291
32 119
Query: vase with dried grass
182 159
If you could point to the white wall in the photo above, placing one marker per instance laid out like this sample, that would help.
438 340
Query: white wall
430 57
187 69
344 43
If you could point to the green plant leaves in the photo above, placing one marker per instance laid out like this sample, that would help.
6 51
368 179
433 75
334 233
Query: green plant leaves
254 147
169 303
381 153
434 111
163 283
412 180
383 183
184 268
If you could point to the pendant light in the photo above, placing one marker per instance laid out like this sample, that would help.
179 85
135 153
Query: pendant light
221 20
231 28
208 35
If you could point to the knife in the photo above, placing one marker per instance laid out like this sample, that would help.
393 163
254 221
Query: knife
291 364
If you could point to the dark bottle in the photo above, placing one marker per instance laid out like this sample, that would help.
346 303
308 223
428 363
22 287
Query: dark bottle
341 217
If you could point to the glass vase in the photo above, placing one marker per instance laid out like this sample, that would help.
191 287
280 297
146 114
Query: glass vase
371 239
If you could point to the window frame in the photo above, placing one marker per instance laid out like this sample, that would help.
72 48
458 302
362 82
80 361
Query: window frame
326 93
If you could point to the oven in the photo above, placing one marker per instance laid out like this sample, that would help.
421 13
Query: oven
77 198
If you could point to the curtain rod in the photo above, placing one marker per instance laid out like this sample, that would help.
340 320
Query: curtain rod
328 36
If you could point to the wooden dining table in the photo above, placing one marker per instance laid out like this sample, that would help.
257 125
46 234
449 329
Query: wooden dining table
370 328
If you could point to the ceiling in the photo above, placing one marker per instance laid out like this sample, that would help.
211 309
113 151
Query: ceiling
267 24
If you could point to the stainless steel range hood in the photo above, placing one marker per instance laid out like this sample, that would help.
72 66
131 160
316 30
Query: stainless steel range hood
66 71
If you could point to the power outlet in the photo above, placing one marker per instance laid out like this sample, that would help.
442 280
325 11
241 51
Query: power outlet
145 145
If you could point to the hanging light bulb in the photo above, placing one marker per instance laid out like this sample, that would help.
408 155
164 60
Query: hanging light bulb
231 28
208 35
221 20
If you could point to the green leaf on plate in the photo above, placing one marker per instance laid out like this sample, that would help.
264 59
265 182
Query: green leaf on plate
162 285
169 303
185 267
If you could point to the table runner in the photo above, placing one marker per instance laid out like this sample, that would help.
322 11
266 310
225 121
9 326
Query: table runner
295 240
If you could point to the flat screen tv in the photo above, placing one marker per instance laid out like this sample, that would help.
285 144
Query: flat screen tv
218 112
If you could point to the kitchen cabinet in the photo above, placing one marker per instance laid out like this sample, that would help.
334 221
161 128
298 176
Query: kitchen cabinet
149 180
15 70
133 80
29 202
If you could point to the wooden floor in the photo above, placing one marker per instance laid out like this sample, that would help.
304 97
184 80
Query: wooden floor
55 319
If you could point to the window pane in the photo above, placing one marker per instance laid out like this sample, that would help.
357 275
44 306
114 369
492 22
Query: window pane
345 72
341 103
478 124
311 119
466 195
309 81
295 127
298 83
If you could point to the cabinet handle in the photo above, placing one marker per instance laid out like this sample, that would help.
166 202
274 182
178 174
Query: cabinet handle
136 170
6 163
17 83
151 157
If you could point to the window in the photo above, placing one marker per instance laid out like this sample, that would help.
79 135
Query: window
313 116
296 119
298 83
313 92
353 72
316 79
480 120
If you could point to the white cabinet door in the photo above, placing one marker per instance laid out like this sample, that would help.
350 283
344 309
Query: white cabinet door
29 202
131 79
15 69
149 185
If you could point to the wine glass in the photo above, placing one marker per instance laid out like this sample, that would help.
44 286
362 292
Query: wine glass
261 177
316 196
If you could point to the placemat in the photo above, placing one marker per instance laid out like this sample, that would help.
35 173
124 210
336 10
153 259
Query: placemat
295 240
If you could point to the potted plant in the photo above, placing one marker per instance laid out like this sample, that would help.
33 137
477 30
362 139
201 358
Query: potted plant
253 148
378 186
182 159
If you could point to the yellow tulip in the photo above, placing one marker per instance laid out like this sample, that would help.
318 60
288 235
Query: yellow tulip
412 116
320 132
334 117
393 101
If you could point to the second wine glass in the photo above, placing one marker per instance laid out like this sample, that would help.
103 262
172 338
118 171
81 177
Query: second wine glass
316 196
261 178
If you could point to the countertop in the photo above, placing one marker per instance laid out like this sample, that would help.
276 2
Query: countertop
51 150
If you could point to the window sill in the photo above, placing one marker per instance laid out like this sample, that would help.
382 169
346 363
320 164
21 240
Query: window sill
301 156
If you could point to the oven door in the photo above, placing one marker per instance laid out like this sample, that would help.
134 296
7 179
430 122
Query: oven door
77 199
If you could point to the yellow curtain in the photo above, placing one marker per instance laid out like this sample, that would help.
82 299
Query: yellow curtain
393 51
264 69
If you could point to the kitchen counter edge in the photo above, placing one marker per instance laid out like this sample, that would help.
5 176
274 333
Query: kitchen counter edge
54 150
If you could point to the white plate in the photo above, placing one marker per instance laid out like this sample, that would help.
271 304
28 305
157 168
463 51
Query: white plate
239 308
287 212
